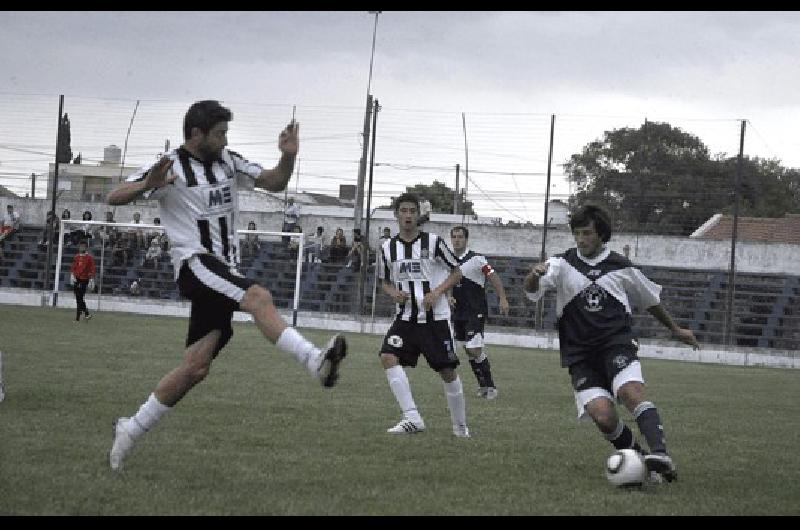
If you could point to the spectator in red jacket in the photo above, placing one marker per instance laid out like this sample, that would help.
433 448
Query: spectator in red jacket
82 274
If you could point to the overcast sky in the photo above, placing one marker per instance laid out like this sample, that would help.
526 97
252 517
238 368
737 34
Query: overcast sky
694 65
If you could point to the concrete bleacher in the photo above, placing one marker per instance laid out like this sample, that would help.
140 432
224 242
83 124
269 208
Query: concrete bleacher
766 306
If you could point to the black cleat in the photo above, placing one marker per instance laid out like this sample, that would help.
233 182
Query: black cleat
328 371
662 464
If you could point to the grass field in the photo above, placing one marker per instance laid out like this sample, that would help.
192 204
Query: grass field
260 437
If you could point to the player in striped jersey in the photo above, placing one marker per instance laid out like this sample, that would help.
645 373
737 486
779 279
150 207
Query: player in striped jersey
596 290
470 309
415 268
195 186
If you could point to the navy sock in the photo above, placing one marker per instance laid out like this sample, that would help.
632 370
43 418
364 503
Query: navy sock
650 426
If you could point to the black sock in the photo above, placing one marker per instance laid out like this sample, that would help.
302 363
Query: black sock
650 426
478 371
487 372
622 438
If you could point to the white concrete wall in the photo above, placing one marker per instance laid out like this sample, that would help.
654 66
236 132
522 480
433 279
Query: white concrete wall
521 338
668 251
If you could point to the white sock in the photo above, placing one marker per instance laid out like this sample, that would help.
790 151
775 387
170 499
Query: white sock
398 382
295 344
149 413
455 401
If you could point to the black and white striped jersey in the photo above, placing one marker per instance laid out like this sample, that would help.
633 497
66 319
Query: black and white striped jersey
594 300
470 291
199 209
415 267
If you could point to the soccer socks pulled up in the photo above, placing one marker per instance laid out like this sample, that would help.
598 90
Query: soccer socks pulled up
622 438
455 402
148 415
650 426
300 348
398 382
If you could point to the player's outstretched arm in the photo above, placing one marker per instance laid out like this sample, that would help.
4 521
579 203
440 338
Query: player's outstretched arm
682 334
277 178
497 283
157 177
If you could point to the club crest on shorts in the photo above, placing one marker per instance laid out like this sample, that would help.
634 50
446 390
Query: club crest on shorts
395 341
620 361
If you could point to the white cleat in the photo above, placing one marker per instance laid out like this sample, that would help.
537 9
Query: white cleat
335 351
461 431
491 393
123 443
407 427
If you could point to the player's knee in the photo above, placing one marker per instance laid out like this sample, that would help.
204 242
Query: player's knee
389 360
602 412
631 394
256 296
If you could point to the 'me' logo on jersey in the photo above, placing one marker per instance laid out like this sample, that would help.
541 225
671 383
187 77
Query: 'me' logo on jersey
219 196
409 270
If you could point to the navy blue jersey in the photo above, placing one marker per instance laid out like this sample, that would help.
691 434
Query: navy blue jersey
470 291
594 301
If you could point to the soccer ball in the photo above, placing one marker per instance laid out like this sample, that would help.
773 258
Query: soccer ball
625 468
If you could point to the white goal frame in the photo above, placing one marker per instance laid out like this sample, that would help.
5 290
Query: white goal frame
60 255
298 270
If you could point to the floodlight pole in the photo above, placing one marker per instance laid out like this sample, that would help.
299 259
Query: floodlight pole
54 192
732 271
362 168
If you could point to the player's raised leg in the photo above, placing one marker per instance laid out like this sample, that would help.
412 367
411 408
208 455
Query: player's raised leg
321 363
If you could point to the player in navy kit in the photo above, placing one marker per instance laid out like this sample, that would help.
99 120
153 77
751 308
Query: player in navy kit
596 292
469 309
195 186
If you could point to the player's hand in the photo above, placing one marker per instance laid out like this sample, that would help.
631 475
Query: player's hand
451 301
531 281
159 175
429 299
504 307
289 140
687 337
400 297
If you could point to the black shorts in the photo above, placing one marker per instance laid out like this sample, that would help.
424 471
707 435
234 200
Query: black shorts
433 340
464 330
215 290
599 370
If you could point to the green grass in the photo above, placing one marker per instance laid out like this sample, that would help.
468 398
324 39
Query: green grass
259 436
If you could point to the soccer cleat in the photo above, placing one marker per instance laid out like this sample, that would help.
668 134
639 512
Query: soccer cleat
491 393
482 392
406 426
335 351
123 443
662 464
461 431
87 317
654 478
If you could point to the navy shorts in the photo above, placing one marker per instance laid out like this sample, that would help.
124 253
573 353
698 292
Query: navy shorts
433 340
600 369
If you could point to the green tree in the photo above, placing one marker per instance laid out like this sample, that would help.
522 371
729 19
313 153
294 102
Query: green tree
660 179
441 198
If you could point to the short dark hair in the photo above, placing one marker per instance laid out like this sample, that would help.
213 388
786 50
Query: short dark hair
406 197
588 214
204 115
462 228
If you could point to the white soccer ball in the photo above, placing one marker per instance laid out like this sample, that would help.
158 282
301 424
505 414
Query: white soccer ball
625 468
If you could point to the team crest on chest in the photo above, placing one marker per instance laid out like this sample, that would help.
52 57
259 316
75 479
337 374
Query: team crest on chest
594 296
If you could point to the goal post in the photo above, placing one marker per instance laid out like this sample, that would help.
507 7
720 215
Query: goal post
298 270
76 224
